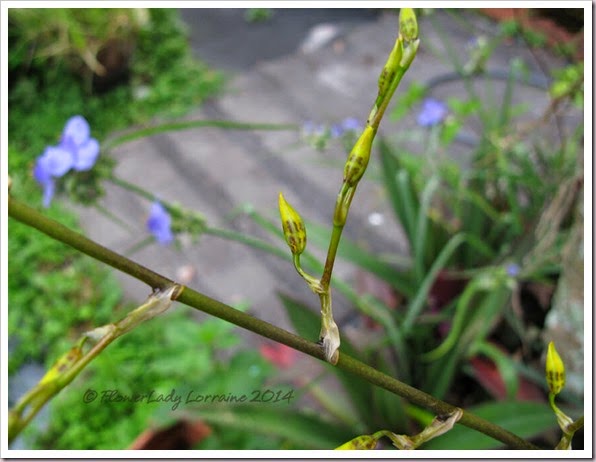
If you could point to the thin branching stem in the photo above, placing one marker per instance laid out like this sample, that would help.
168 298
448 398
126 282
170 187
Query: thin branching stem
31 217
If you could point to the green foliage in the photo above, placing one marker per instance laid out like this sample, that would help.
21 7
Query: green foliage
173 355
368 407
163 62
73 36
464 226
53 290
461 224
295 430
569 82
45 91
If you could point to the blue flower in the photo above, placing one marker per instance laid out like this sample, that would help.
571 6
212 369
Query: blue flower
512 270
311 129
159 224
433 112
336 130
76 150
349 124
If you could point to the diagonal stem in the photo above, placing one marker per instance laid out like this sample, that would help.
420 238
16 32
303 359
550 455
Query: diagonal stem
194 299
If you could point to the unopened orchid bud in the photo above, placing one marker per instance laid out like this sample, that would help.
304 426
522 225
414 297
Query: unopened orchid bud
390 68
555 370
293 226
359 157
408 32
408 26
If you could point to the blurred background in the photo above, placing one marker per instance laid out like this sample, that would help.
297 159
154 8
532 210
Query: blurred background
462 257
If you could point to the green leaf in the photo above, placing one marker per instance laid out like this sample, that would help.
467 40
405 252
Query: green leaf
401 202
441 373
525 419
422 221
449 131
506 366
417 304
459 322
305 321
301 430
407 196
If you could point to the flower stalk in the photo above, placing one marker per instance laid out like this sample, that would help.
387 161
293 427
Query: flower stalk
398 62
29 216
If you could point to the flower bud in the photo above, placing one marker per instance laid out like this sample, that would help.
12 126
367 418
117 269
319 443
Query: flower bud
408 26
359 157
293 226
555 370
390 68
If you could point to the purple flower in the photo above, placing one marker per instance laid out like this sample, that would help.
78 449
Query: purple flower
351 123
336 130
311 129
512 270
77 141
159 224
347 125
433 112
77 150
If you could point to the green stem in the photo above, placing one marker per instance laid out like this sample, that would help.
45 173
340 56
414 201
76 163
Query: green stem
52 228
331 253
131 187
219 232
186 125
33 218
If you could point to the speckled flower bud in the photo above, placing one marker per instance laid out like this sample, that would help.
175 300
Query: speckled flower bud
293 226
555 370
390 68
408 26
359 157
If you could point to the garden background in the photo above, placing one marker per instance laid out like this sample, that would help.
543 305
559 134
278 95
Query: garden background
484 134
